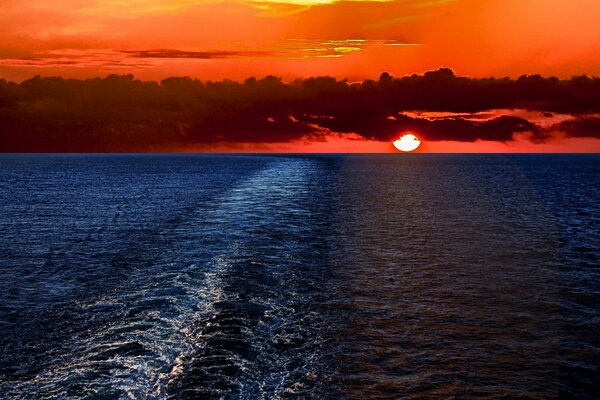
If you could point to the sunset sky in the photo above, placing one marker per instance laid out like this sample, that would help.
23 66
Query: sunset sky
353 40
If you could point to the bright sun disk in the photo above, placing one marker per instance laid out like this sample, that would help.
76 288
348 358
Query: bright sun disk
407 142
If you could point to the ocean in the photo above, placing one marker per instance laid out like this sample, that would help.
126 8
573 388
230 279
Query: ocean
409 276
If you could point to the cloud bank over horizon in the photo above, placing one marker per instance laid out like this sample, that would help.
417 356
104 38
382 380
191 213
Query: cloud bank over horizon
119 113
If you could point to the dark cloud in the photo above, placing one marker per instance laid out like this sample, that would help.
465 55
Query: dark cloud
501 128
581 127
204 55
120 113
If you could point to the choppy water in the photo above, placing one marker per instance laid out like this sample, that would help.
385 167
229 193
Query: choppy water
346 277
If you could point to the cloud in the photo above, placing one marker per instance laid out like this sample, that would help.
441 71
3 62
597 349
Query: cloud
278 8
203 55
586 126
120 113
374 127
110 58
76 58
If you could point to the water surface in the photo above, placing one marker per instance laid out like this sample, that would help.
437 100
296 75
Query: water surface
324 276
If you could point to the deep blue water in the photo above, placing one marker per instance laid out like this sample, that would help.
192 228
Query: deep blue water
344 277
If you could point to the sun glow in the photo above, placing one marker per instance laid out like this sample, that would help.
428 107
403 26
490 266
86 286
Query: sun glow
407 142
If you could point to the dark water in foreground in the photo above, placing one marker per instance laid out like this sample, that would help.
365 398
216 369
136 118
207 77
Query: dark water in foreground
345 277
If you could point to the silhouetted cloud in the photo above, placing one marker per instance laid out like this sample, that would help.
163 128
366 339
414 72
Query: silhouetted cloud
203 55
120 113
501 128
289 49
588 126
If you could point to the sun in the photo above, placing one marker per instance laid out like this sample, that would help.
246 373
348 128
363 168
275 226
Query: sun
407 142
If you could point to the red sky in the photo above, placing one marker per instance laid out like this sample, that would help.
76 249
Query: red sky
214 40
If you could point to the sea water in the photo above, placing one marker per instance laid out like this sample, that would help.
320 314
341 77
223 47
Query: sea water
299 276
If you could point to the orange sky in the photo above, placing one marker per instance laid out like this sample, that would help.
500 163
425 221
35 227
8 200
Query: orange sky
214 40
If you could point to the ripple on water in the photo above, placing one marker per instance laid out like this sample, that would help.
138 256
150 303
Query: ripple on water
304 277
